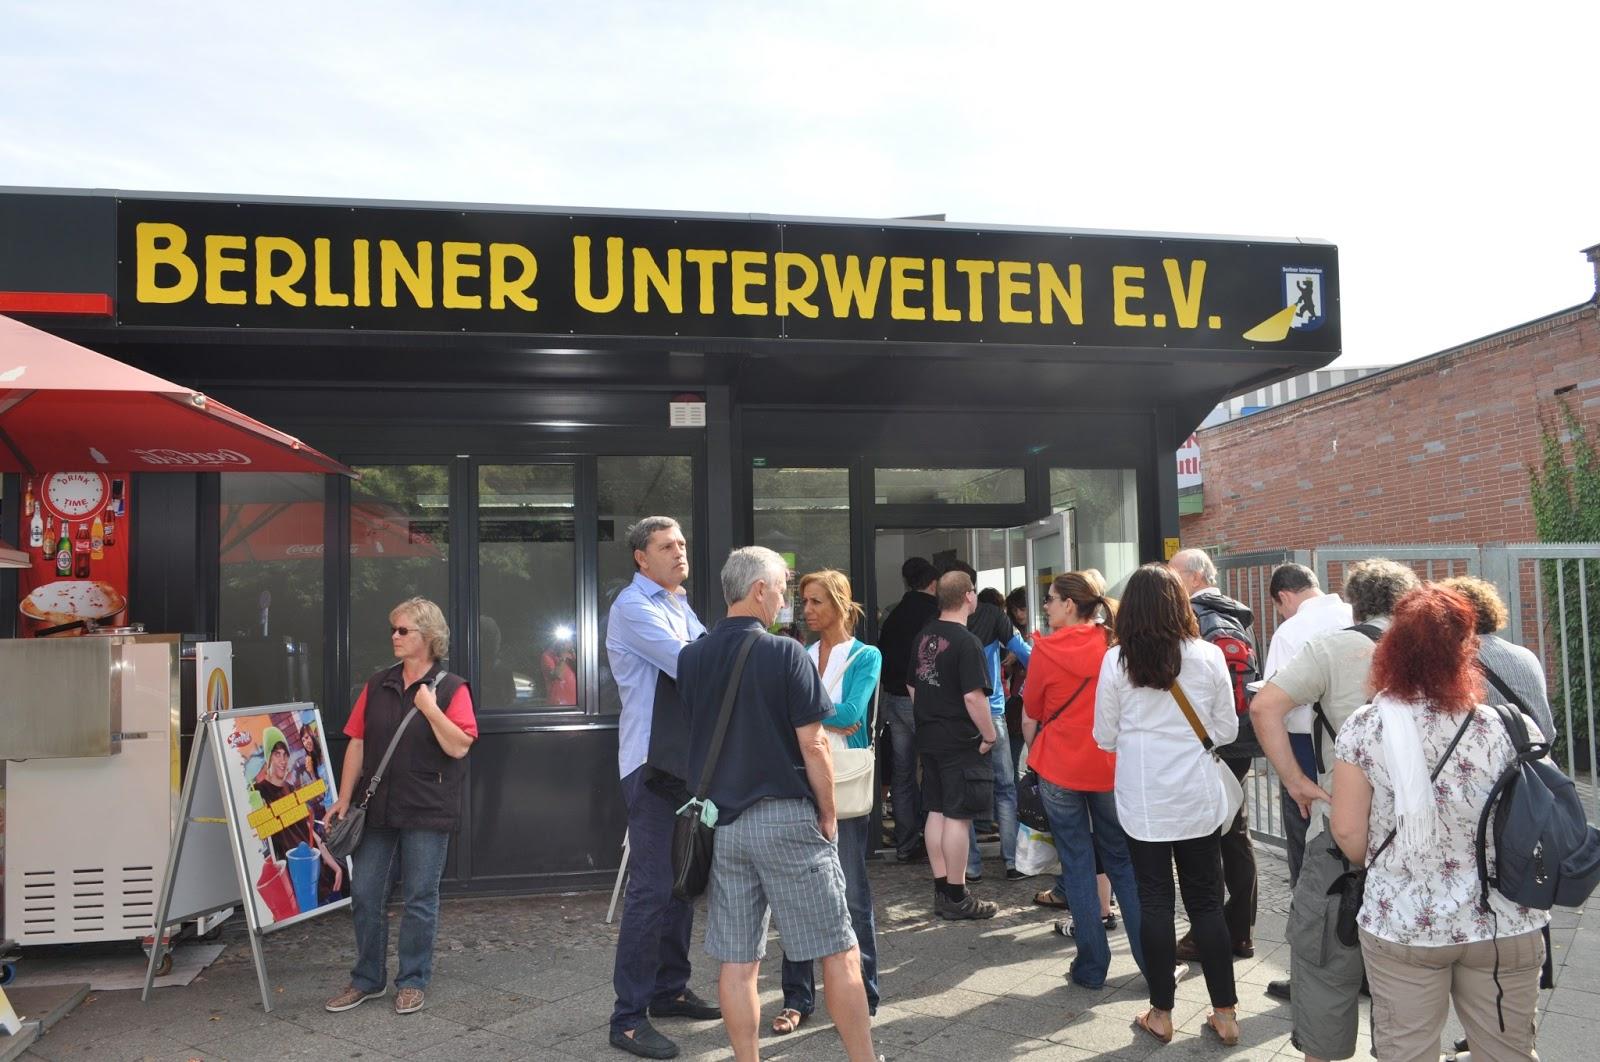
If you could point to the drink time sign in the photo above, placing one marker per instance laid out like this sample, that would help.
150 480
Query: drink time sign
320 267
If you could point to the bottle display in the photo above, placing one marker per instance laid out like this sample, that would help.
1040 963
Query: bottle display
80 565
30 505
35 528
97 539
111 530
81 539
49 538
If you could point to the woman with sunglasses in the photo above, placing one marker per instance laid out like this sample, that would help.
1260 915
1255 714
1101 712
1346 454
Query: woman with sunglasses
415 807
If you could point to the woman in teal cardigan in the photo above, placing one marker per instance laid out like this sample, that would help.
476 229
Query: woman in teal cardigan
850 670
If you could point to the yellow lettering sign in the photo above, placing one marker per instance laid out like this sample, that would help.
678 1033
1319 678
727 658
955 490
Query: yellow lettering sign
269 282
788 297
648 276
744 275
504 287
847 288
941 310
220 261
704 261
902 283
322 275
158 244
1012 285
1186 297
975 269
583 278
1053 293
418 279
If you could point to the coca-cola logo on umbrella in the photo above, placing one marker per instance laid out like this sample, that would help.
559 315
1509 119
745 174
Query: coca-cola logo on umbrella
192 457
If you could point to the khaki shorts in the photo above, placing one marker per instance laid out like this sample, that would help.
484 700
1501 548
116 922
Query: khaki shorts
1326 975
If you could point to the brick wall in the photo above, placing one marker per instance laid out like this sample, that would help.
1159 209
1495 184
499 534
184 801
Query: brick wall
1437 450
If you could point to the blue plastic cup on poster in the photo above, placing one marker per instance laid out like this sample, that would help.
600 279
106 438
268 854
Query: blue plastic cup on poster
303 873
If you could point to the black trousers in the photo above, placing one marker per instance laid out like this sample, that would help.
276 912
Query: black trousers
1239 867
1199 862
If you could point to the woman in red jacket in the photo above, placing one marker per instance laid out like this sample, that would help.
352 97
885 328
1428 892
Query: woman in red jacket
1075 776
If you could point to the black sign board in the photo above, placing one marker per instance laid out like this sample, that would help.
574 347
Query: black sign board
209 264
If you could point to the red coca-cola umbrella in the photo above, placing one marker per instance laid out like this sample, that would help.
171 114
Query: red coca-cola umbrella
275 531
65 406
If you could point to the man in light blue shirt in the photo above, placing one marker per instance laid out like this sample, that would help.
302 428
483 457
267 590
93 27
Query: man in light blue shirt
649 624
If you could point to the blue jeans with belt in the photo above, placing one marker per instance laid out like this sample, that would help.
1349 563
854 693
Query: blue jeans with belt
652 963
421 855
1005 804
1082 823
799 983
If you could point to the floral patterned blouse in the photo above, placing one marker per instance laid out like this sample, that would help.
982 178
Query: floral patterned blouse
1431 899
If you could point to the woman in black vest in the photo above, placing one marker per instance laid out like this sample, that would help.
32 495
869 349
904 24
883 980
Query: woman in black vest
415 807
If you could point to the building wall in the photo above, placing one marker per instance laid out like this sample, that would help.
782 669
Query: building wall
1437 450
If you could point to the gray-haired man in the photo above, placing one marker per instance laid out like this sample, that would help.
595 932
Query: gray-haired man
772 785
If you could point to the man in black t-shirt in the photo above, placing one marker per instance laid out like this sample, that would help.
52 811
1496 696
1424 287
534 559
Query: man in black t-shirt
914 611
955 732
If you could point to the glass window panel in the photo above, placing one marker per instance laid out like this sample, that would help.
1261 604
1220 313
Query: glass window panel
527 587
804 514
631 488
271 587
1105 504
399 548
949 486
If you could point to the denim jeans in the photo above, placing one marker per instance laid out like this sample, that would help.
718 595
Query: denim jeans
421 856
1082 824
904 796
652 963
799 982
1005 805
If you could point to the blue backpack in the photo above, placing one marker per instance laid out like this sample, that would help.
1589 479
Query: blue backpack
1546 853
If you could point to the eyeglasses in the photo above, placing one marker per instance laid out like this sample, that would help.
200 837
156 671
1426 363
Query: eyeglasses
403 631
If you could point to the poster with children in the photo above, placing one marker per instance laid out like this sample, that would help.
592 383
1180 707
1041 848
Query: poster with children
280 781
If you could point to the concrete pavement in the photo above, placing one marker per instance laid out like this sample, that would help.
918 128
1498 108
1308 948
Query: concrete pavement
530 978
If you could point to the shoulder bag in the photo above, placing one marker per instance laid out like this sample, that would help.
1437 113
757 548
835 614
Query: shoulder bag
1030 803
694 829
1232 791
344 836
1351 886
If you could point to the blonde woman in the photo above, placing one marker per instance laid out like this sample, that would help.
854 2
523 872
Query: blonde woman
415 808
850 671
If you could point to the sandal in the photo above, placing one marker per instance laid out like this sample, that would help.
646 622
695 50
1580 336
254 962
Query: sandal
1048 898
787 1021
1224 1021
1143 1022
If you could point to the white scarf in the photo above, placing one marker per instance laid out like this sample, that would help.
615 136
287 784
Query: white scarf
1414 813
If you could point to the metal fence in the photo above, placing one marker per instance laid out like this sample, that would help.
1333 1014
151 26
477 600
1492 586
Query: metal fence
1551 591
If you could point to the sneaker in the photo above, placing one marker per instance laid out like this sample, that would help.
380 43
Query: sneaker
1109 921
352 998
408 1001
968 907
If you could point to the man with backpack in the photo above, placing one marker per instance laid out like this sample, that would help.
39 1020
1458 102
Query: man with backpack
1330 674
1226 623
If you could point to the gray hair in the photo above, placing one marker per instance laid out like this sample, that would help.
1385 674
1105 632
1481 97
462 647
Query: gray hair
1195 562
1374 585
747 566
429 620
639 534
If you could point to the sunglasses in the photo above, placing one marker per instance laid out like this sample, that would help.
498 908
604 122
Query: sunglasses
403 631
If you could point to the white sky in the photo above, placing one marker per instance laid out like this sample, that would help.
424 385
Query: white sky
1450 150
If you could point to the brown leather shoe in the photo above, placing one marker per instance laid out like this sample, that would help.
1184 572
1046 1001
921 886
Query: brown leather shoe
1244 949
1188 950
351 998
408 1001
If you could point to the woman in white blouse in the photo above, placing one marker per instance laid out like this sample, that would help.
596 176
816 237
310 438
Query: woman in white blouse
1170 796
1425 938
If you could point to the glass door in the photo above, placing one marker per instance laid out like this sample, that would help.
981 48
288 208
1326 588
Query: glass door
1051 550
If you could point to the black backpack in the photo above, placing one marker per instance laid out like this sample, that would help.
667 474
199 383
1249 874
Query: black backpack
1239 654
1546 853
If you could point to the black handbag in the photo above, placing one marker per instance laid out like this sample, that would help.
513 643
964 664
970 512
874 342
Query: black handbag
693 837
1351 886
1030 802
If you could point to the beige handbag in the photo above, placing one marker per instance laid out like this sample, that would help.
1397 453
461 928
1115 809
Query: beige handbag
855 769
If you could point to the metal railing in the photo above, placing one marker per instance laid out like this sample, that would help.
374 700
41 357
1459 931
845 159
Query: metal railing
1551 590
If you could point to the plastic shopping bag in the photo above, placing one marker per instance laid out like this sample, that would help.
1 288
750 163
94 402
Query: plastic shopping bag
1036 852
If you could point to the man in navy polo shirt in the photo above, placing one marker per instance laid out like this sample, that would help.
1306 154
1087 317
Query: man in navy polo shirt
772 785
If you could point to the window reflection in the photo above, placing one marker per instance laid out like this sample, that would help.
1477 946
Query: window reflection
1105 504
399 548
271 589
527 587
948 486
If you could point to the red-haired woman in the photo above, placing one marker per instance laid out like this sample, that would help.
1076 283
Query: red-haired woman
1076 776
1424 936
